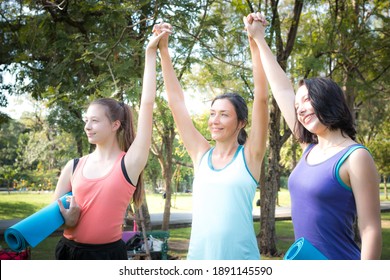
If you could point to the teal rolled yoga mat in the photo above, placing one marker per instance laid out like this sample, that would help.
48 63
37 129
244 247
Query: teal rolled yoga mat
35 228
302 249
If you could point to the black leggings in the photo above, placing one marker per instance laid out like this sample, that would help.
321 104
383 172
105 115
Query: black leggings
70 250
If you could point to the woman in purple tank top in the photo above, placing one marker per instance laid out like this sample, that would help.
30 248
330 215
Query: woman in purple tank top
321 121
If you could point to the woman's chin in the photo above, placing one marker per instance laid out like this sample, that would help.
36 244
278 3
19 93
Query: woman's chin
91 141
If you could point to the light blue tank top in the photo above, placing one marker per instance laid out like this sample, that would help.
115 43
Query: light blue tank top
222 221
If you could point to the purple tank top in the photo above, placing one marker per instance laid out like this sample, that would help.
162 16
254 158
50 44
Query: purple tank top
323 208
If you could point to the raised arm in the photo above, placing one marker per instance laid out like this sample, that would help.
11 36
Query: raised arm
280 84
193 140
137 155
256 143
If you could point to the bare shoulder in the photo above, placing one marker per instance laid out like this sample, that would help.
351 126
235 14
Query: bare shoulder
202 150
68 166
361 164
63 184
361 156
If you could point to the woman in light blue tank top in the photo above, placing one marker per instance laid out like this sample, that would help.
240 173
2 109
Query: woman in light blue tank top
318 115
226 175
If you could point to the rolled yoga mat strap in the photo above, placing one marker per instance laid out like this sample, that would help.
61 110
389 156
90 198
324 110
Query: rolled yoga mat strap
302 249
35 228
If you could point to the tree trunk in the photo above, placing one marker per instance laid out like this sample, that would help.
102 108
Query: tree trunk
166 163
167 175
268 191
146 215
79 143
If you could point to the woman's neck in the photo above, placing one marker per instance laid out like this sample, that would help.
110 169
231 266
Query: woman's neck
333 140
106 152
225 150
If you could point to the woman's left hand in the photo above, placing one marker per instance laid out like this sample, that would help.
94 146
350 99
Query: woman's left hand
72 214
159 31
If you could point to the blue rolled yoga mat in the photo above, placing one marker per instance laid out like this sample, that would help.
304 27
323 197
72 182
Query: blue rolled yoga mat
302 249
35 228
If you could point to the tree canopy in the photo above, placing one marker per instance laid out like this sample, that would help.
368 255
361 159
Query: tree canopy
66 53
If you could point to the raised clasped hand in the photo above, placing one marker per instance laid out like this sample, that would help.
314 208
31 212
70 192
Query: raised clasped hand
163 28
161 32
255 22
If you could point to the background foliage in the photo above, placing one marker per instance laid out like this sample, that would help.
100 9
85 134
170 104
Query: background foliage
63 53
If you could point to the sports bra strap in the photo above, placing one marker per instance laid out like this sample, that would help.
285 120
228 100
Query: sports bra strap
341 161
75 162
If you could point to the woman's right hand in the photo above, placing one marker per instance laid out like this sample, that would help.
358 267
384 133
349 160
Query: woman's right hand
255 24
161 28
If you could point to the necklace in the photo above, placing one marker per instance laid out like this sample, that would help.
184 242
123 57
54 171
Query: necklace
325 150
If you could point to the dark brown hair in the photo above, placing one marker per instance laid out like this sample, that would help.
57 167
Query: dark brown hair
330 107
241 111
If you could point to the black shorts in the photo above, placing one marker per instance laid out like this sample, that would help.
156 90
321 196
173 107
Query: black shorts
70 250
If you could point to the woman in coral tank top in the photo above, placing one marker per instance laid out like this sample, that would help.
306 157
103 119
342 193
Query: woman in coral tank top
105 181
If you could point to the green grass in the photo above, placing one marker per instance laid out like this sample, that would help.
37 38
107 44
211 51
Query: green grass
386 236
17 205
20 205
284 233
181 202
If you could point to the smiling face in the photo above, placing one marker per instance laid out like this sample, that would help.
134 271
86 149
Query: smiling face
305 112
223 123
98 127
321 107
